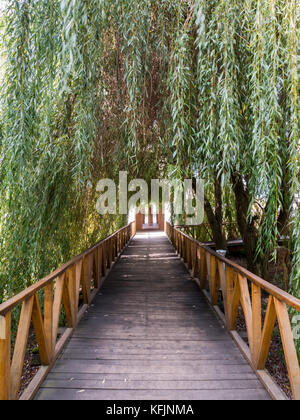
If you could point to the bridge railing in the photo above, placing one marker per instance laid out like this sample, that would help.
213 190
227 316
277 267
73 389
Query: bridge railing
66 292
203 232
240 287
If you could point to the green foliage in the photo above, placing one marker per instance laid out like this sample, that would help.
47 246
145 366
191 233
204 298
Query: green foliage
171 87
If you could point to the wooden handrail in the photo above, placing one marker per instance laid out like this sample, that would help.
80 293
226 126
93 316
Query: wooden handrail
214 272
81 276
204 229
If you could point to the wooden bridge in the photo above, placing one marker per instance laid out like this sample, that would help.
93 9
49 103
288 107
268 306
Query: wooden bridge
144 322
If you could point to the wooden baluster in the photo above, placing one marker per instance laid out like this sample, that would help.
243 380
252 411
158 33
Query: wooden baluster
84 280
187 252
269 324
58 295
203 269
222 277
256 322
214 281
207 257
112 246
71 275
109 253
104 258
246 305
48 316
181 246
5 332
40 334
190 257
96 267
78 275
100 264
90 259
113 249
194 259
20 347
288 344
67 302
232 298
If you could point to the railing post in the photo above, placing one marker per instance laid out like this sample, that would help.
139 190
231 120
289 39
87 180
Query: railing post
214 281
5 331
203 269
256 322
288 345
191 254
48 316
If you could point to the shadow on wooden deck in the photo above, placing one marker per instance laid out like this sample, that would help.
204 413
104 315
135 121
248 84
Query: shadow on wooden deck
150 334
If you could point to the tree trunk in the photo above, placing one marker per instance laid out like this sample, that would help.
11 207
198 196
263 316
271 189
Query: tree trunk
215 226
247 228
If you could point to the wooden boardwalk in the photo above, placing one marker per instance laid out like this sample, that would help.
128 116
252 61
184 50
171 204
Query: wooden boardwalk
150 334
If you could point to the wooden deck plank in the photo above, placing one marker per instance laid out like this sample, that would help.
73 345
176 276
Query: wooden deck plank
157 395
151 385
151 335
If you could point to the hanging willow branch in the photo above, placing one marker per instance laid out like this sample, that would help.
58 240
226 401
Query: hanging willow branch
90 87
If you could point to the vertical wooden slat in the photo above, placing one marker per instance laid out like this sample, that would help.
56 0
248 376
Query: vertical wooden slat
67 301
78 275
214 281
58 295
246 305
191 248
48 316
267 334
109 253
228 304
233 304
288 343
20 347
90 271
256 321
100 263
203 269
5 331
72 293
85 280
41 339
222 277
96 268
104 257
194 259
207 257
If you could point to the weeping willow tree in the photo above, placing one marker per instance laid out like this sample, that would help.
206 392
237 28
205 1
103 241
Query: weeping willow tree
248 128
177 87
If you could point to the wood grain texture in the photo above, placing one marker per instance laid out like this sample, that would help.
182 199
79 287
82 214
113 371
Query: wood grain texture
5 325
20 347
288 347
150 334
